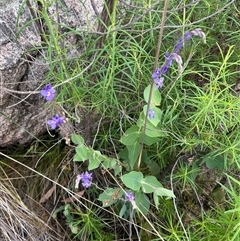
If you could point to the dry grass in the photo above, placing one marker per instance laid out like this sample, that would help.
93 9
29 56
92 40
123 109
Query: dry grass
21 216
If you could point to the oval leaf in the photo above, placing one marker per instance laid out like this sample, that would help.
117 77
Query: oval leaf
160 191
142 202
133 180
133 154
77 139
150 184
110 196
83 152
214 161
131 136
156 96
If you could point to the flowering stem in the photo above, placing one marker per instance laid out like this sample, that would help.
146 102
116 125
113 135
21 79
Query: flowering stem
152 83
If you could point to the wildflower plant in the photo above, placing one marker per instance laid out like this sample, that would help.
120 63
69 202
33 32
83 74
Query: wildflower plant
146 132
134 186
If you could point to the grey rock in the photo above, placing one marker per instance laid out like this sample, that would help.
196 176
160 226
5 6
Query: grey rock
23 112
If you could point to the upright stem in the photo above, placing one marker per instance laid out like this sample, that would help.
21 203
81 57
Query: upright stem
154 68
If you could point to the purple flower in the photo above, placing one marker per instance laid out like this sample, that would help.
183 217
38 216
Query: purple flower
55 121
156 73
48 92
159 82
86 179
130 197
151 114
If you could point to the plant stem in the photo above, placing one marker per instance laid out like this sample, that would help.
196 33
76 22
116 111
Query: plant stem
152 83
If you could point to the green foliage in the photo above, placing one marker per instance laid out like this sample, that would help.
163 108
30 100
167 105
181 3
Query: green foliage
216 161
95 158
196 112
83 225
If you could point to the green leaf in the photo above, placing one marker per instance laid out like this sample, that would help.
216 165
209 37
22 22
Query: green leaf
95 160
150 184
214 161
160 191
68 213
133 180
117 169
156 200
131 136
77 139
150 140
156 96
146 93
73 227
109 163
123 210
158 115
142 202
77 158
83 152
152 165
141 119
123 154
58 210
93 164
133 154
153 131
110 196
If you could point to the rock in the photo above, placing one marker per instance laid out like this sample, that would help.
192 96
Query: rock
23 112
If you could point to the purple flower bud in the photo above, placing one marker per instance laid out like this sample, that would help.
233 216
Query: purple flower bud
48 92
55 121
178 46
187 36
178 59
174 56
200 33
151 114
165 67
